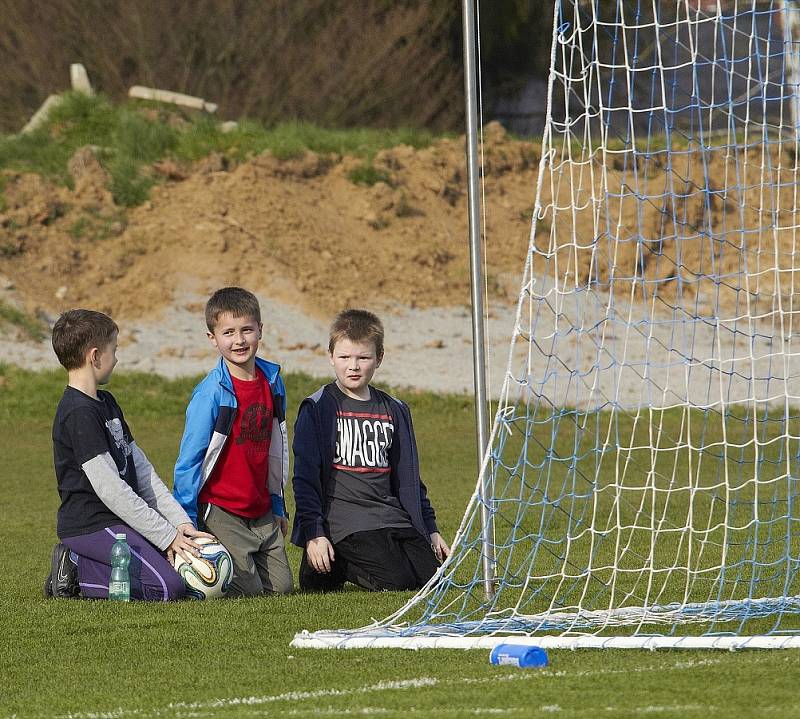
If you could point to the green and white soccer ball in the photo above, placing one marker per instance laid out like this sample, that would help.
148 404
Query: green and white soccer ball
209 575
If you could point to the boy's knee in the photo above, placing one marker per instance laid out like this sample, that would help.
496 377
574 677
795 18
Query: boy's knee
320 587
423 571
311 581
174 588
170 588
283 585
245 585
277 582
396 584
394 579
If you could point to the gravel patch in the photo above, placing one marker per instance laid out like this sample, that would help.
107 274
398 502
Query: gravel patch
581 356
426 349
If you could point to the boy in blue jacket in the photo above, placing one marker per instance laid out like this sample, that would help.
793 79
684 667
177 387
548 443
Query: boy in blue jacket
234 455
362 511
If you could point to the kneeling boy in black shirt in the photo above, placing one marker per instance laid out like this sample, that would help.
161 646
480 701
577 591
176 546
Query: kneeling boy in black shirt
106 483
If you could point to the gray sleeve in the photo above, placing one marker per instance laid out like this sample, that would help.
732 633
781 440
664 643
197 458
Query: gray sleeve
278 468
125 503
153 490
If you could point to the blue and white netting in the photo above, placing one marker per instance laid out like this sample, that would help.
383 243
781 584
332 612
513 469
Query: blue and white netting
644 468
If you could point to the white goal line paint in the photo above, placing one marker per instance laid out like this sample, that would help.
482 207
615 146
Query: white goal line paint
336 640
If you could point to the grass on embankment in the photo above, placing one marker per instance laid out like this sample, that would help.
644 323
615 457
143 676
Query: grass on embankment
29 325
135 134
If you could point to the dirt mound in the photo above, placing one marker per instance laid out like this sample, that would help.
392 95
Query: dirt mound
301 230
320 232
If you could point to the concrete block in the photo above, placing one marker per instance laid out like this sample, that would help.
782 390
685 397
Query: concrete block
173 98
80 79
40 116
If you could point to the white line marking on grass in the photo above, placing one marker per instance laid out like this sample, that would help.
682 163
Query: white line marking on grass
205 708
333 712
113 714
674 708
297 696
187 708
372 711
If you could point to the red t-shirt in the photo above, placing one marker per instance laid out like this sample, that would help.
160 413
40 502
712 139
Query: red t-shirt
238 482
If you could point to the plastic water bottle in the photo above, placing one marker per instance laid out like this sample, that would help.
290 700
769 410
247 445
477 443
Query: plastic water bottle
518 655
119 588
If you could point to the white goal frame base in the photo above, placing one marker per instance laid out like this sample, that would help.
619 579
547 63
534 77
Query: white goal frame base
340 640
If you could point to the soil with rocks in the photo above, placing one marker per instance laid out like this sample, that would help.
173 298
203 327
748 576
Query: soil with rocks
300 233
309 241
298 230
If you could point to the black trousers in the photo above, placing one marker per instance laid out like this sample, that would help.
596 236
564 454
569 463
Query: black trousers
377 560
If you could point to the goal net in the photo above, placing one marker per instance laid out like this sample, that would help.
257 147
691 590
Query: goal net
641 485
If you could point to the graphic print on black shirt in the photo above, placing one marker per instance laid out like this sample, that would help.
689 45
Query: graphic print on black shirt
363 440
239 480
359 491
117 432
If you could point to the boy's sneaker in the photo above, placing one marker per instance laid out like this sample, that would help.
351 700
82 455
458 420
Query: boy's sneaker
63 579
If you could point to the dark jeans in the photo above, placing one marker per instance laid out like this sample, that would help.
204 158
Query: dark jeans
377 560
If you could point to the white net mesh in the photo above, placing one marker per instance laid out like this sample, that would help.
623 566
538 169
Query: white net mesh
643 474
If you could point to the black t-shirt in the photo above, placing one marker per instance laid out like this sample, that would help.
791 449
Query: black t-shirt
83 429
359 492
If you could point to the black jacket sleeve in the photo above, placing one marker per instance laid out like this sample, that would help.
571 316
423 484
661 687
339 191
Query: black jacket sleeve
307 477
428 515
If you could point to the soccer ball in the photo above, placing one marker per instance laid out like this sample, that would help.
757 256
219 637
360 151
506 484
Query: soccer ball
209 575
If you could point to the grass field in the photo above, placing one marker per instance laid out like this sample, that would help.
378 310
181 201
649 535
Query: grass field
97 660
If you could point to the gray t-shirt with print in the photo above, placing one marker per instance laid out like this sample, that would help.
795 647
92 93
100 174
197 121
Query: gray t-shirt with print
359 492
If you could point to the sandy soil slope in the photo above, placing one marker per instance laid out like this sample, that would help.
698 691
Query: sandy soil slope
300 233
297 230
309 241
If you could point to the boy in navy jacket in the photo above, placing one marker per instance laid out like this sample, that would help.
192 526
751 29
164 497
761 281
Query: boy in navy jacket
362 511
234 456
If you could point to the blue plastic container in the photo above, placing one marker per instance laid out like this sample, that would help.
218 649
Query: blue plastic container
518 655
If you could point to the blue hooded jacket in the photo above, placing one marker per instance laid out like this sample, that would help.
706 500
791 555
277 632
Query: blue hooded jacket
314 446
209 420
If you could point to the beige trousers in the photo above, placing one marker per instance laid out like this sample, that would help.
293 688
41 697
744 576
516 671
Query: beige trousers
260 565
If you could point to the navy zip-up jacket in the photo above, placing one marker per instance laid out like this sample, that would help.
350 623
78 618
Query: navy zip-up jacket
314 446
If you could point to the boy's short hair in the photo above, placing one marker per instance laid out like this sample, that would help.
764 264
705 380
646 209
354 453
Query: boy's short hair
77 331
236 300
357 326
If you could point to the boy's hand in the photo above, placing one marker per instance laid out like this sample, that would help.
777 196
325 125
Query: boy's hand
439 547
284 525
183 543
319 552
